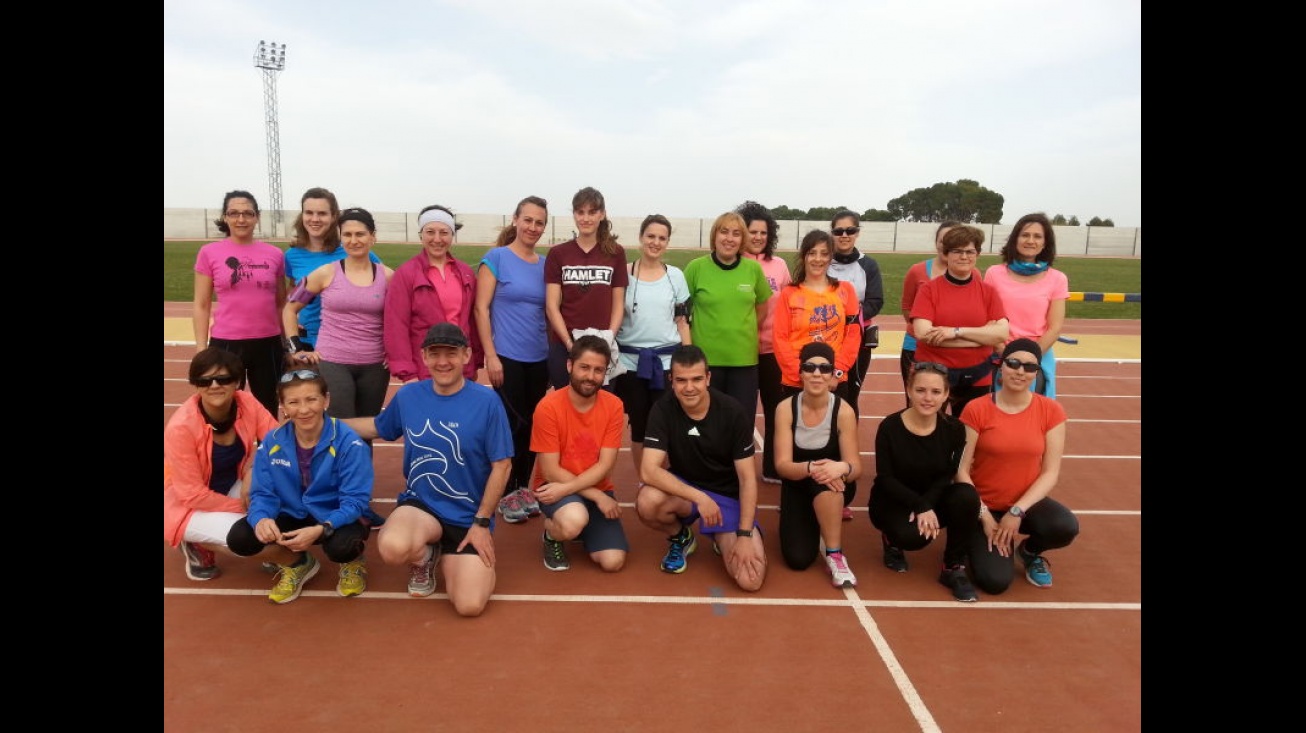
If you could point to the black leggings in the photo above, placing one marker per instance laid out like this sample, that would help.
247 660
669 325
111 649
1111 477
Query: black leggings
957 508
524 385
264 360
1050 526
772 391
346 544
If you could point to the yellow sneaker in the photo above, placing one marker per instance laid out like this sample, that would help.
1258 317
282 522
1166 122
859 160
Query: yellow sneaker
292 580
353 578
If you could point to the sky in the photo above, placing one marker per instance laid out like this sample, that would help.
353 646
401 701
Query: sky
679 107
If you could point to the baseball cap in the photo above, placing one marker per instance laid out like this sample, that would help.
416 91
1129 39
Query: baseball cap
444 334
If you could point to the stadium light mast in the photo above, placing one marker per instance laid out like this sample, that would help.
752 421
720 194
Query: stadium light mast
271 58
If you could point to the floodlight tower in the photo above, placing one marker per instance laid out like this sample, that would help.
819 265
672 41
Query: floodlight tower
271 58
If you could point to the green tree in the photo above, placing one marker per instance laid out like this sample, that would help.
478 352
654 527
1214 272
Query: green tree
878 215
1096 222
823 213
1058 220
783 212
1074 221
965 201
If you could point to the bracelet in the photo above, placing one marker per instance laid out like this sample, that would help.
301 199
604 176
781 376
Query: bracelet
849 472
809 468
298 345
981 511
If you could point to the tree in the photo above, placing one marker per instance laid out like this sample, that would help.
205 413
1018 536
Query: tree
782 212
878 215
965 201
1074 220
1059 220
823 213
1096 222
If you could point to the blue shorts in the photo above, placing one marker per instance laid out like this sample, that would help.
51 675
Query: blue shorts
729 506
600 533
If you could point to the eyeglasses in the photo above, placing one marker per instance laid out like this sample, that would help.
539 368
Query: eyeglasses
963 252
299 374
241 214
1030 367
810 367
223 379
930 366
845 231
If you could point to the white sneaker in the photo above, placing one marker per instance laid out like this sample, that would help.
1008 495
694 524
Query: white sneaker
840 575
421 577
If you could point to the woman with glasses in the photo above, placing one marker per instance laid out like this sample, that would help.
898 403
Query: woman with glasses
818 462
863 272
350 349
763 235
958 320
312 482
728 295
918 273
316 242
208 452
1014 444
432 287
653 326
817 307
248 277
915 495
514 338
1034 294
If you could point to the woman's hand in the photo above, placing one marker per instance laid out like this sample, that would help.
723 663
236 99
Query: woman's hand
494 370
827 473
993 533
927 523
301 359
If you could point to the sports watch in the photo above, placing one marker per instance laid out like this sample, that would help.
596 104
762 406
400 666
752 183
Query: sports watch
1016 511
481 521
743 533
328 529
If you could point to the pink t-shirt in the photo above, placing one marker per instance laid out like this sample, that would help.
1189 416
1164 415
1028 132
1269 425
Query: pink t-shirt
449 288
1026 301
245 279
352 319
777 274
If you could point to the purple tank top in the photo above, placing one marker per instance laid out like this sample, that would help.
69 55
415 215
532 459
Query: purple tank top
351 330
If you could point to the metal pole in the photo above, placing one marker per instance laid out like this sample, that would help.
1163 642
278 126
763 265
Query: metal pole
271 58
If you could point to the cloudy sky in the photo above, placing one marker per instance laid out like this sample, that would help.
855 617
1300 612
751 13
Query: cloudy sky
681 107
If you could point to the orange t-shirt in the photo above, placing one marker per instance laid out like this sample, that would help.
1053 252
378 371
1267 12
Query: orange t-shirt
576 436
1009 449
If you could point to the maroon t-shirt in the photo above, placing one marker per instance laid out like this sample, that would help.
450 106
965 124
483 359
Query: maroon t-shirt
587 280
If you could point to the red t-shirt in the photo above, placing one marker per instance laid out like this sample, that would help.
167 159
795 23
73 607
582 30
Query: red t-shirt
1009 449
576 436
587 280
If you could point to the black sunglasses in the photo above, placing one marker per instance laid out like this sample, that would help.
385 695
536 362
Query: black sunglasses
930 366
810 366
1030 367
845 231
225 380
299 374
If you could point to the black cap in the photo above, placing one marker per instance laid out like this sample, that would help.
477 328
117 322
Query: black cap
445 334
816 348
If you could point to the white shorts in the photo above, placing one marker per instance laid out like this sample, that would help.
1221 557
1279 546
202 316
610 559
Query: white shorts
211 528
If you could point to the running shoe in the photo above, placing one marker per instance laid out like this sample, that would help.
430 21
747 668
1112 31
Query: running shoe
512 510
840 574
954 578
847 514
353 578
528 502
682 545
421 576
1037 568
292 580
201 564
555 555
894 558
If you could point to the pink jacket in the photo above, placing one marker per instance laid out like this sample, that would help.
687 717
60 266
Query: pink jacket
412 306
188 461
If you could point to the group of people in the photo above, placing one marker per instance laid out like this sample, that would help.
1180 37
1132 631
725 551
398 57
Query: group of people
682 356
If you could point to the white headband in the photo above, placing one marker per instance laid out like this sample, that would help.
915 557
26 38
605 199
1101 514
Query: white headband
436 215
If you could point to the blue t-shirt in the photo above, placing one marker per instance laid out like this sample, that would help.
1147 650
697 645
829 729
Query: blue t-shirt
517 307
449 444
299 263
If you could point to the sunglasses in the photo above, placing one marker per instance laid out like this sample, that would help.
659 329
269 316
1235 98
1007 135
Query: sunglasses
930 366
845 231
811 367
299 374
225 380
1030 367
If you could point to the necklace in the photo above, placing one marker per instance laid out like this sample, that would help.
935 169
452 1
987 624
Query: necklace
634 292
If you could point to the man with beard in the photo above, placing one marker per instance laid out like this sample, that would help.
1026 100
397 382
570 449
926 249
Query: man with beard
576 434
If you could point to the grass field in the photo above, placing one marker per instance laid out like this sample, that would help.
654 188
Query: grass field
1086 274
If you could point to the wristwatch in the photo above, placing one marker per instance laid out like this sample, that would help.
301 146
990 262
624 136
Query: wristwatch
481 522
1016 511
838 374
743 533
328 529
956 332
